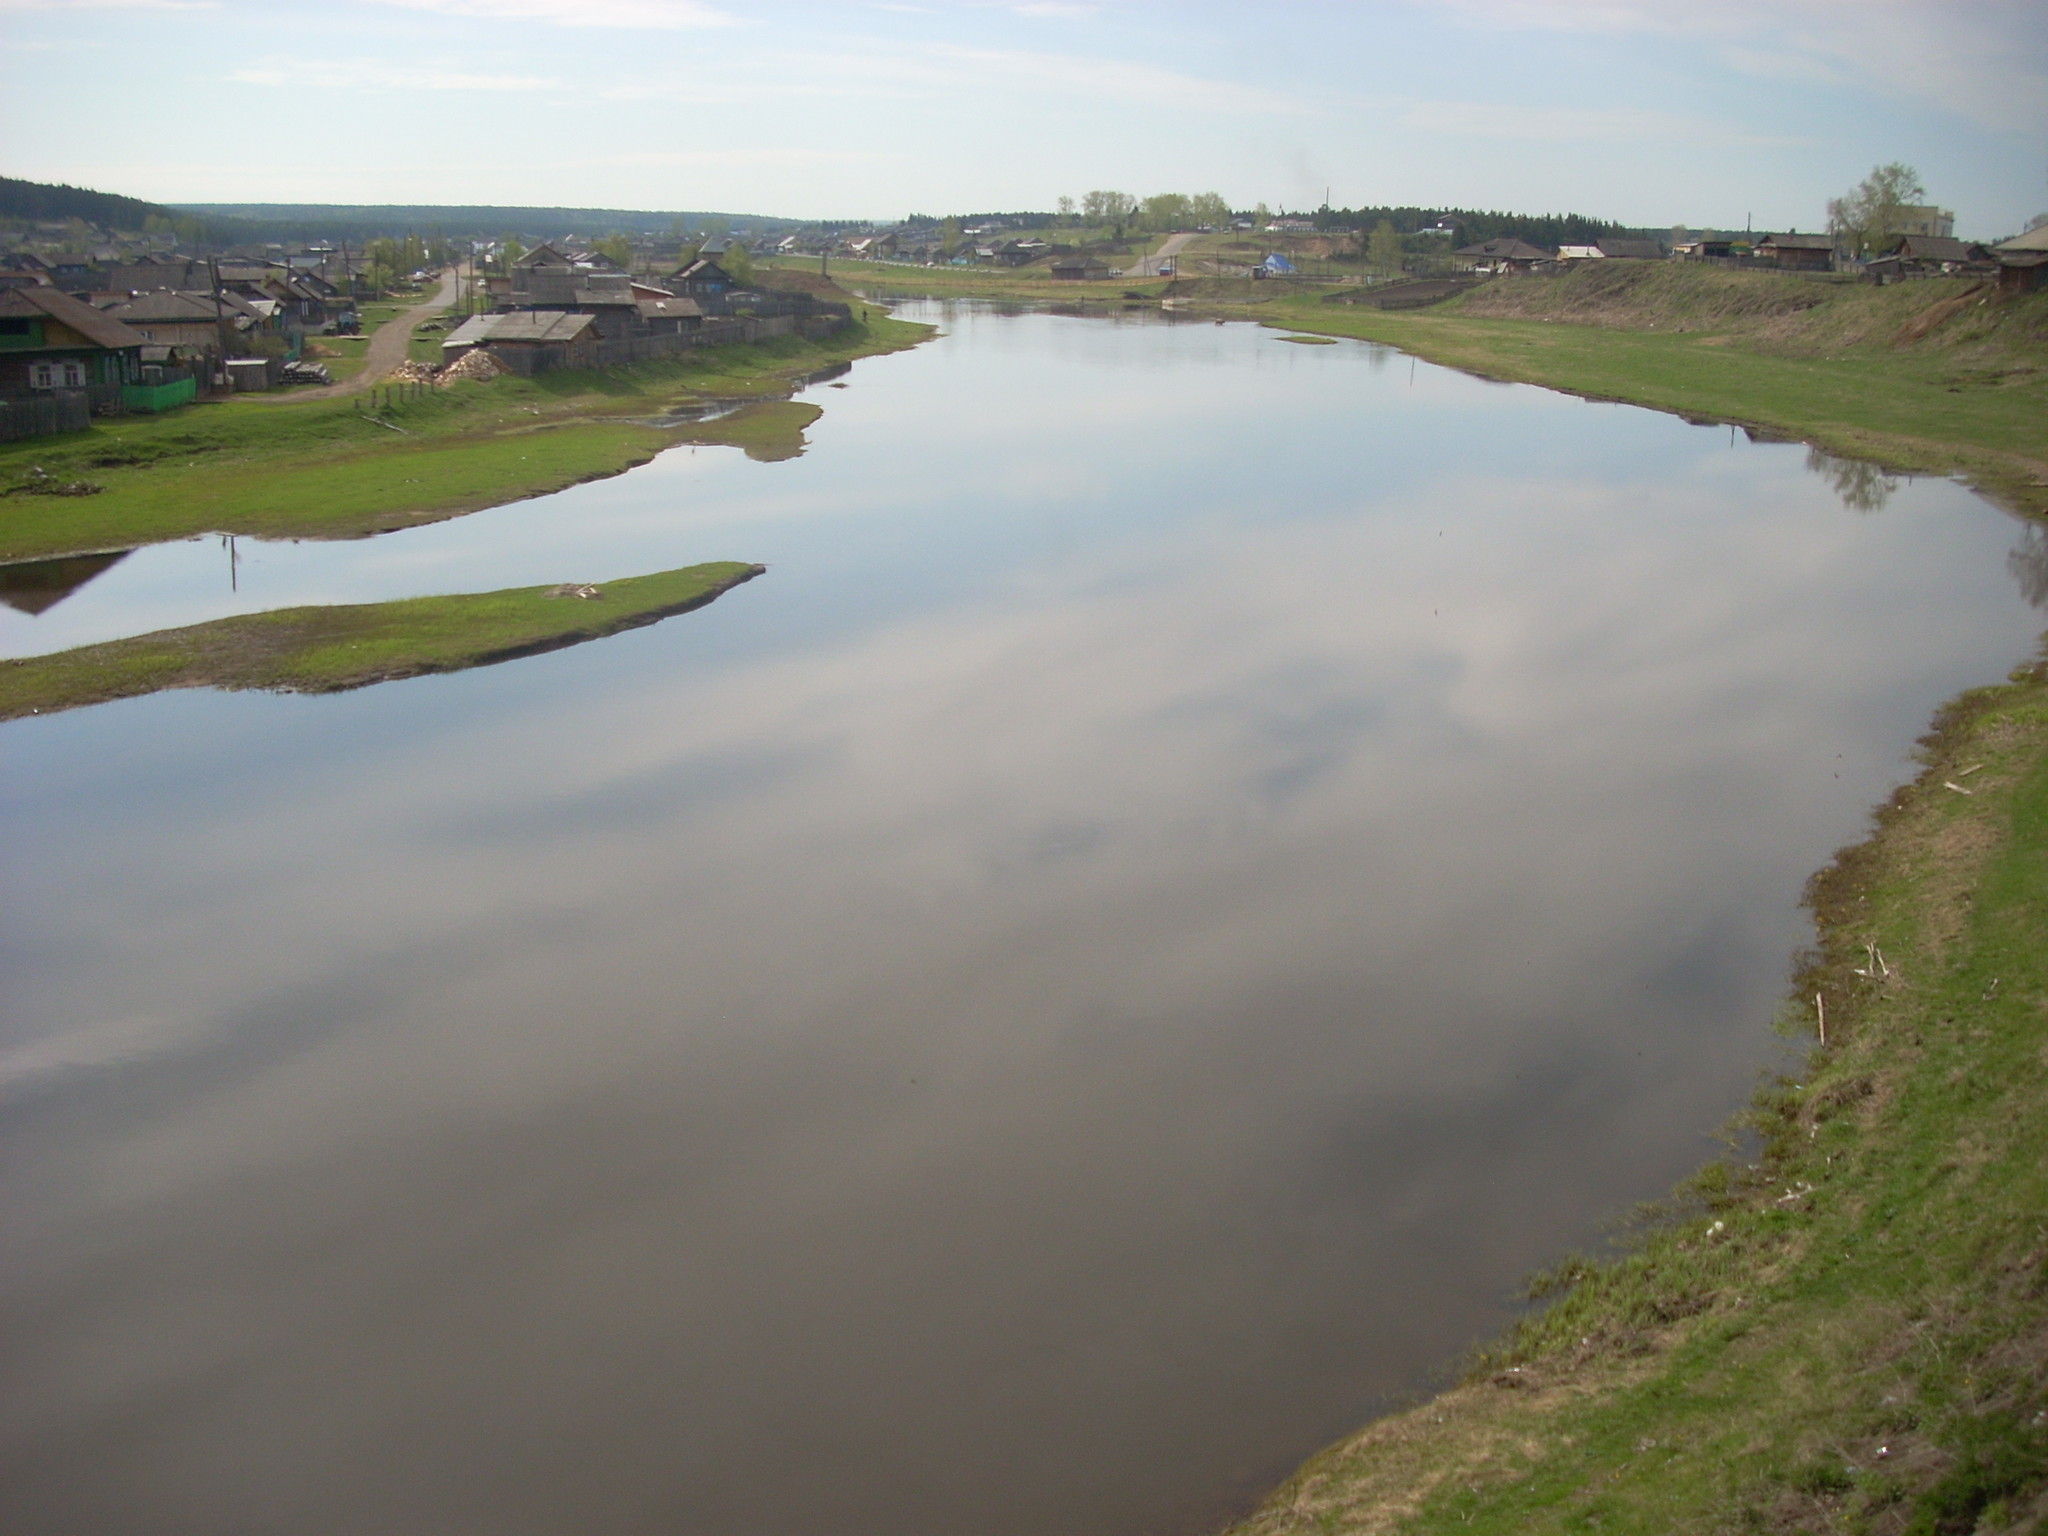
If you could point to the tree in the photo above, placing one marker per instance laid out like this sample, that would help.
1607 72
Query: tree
1261 216
1207 210
739 264
949 233
1383 250
1862 486
1066 210
1165 211
616 248
1108 207
1867 217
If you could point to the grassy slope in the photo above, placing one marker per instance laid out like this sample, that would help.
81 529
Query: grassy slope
1033 282
1839 366
327 649
1851 1333
323 469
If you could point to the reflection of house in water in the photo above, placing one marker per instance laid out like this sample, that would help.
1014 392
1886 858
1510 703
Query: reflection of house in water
35 585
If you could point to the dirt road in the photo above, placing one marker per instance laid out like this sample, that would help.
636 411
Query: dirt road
1148 266
388 344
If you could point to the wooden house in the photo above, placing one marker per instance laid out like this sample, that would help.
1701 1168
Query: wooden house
194 323
1506 254
1080 269
2023 262
528 340
668 313
1940 253
1795 252
49 340
702 279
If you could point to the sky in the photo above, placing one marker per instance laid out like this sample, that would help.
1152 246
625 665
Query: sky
1650 112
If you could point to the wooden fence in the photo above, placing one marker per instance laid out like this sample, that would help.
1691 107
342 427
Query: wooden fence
624 351
44 414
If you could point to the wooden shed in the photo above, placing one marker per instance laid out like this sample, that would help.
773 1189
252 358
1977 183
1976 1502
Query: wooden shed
1798 253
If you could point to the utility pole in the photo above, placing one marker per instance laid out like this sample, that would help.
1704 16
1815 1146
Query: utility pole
220 315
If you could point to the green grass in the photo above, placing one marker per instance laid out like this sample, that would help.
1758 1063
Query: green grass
1824 363
328 649
343 355
1847 1331
1850 1332
328 469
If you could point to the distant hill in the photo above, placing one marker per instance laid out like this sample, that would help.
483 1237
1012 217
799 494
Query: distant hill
39 200
472 221
248 223
42 202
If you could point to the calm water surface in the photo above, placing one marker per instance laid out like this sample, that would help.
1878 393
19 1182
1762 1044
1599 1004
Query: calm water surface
1202 861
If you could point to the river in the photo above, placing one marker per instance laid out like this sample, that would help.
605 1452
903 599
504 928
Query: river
1203 860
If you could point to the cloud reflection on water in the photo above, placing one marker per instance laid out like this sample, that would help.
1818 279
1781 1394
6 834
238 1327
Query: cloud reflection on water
1036 1058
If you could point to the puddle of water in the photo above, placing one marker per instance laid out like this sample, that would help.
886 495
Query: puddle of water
1200 864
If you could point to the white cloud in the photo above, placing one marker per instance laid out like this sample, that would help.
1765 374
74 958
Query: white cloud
368 75
1987 61
654 15
109 5
1068 74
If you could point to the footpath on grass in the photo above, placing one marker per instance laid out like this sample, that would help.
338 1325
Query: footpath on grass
329 649
340 468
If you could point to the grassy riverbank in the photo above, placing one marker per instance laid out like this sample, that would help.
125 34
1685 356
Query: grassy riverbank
329 469
1849 1333
329 649
1937 377
1034 284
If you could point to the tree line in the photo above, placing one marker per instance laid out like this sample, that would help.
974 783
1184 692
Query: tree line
1476 225
1164 211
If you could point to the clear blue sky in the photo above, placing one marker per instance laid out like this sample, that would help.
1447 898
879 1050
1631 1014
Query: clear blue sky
1653 112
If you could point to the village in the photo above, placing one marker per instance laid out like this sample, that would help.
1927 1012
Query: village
96 323
80 340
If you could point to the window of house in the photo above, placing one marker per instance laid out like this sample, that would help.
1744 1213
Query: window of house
14 325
